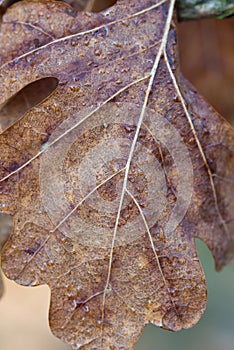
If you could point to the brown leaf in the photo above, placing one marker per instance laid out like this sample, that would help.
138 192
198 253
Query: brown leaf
77 4
112 177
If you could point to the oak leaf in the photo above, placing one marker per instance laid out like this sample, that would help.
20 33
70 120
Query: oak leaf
112 177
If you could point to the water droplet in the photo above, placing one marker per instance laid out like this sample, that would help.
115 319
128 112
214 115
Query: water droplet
74 42
34 283
50 262
109 289
176 98
140 188
42 269
86 41
74 88
181 261
191 141
74 304
118 82
98 52
126 23
29 59
171 290
107 30
86 308
129 128
125 70
118 44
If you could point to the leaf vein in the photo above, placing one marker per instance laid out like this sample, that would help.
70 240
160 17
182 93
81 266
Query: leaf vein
59 40
202 153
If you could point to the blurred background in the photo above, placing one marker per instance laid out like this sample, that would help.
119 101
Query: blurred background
207 60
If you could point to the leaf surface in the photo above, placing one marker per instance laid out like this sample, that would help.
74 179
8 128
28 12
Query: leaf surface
112 177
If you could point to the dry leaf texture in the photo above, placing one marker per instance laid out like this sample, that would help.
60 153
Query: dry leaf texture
112 177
